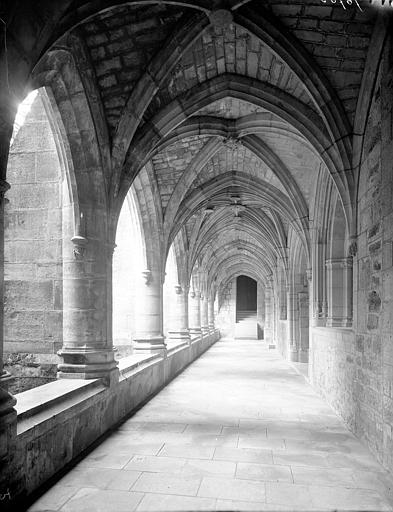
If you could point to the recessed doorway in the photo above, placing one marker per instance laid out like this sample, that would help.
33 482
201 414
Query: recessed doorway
246 308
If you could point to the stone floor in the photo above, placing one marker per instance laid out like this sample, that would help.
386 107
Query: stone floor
238 430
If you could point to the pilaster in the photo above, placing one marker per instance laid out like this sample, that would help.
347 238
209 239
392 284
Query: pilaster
339 279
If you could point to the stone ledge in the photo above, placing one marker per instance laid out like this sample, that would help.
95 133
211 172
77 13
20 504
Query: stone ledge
62 419
322 329
37 399
336 333
39 415
129 365
176 347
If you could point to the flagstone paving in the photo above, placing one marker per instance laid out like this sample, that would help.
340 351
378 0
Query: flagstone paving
239 429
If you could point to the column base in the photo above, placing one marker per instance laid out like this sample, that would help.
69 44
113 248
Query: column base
87 364
153 345
318 322
293 355
195 332
338 322
12 483
5 380
205 330
181 335
303 356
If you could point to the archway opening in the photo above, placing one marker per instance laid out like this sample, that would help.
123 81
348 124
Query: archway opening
128 265
33 253
246 308
169 293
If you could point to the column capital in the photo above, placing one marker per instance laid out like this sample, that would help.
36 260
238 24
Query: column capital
80 243
178 289
353 248
147 276
110 249
4 187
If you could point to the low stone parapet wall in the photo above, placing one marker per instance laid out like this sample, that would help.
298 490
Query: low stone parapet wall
57 422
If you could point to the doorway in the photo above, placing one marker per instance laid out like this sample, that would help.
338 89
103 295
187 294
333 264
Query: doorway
246 308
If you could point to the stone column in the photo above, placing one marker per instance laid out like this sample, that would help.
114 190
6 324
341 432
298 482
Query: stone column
268 332
195 314
10 474
204 315
179 316
339 280
261 311
293 348
348 292
304 308
317 281
275 318
87 351
211 315
149 337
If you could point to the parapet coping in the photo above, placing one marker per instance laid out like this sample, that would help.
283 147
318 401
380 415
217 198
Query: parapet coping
34 400
176 347
45 402
130 365
39 406
332 328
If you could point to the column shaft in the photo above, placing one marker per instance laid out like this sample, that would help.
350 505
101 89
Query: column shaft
268 316
149 336
179 316
304 314
293 348
195 314
204 315
87 337
211 315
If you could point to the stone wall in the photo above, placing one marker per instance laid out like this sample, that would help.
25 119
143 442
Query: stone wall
282 337
226 317
353 368
33 254
335 362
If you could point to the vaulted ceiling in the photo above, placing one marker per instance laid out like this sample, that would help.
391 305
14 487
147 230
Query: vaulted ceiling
233 108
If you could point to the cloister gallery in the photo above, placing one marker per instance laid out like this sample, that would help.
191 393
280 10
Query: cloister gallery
195 177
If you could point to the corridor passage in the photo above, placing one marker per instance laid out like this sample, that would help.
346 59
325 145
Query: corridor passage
240 429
